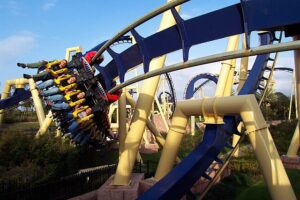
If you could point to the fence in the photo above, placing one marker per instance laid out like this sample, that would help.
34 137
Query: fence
66 187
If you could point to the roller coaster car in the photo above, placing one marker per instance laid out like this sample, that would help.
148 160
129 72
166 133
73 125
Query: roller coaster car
87 125
71 96
53 64
87 84
58 72
63 88
87 118
80 101
84 77
87 67
90 124
75 61
99 106
86 80
99 101
81 64
77 111
62 79
54 69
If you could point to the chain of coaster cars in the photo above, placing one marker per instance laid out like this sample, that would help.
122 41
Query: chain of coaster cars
88 129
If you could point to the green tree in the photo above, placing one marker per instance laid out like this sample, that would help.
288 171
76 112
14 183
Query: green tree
281 106
269 99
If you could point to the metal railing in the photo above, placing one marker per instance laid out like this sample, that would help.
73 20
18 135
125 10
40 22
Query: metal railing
287 46
66 187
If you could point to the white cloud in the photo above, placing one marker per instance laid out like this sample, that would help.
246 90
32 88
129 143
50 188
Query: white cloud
15 45
12 6
48 5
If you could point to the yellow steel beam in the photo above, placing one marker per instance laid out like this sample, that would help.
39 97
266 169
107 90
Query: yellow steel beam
122 129
159 138
225 79
44 127
18 83
287 46
297 77
37 102
295 143
163 8
260 138
70 50
140 116
243 67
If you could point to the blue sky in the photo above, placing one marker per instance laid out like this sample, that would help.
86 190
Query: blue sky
41 30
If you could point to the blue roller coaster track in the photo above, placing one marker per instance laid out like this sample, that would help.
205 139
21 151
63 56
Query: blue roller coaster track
244 17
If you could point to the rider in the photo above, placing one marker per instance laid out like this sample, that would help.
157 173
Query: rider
45 72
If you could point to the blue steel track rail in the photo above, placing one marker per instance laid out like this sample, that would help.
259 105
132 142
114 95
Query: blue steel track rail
191 89
251 15
245 17
176 183
19 95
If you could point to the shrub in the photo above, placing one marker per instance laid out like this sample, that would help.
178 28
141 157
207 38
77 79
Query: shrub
282 135
247 165
189 142
25 159
229 187
25 173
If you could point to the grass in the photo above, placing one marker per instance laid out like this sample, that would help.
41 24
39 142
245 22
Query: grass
242 186
256 191
20 127
260 191
229 187
245 182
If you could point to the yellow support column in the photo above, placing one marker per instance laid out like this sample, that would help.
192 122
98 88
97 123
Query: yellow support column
159 138
193 122
266 153
225 81
247 107
37 102
112 109
227 69
291 96
70 50
224 85
243 67
163 116
295 143
18 83
232 64
297 77
46 123
228 88
173 140
122 129
58 133
4 95
140 116
149 124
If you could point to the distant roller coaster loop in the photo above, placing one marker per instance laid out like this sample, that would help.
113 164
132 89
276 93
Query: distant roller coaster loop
191 89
